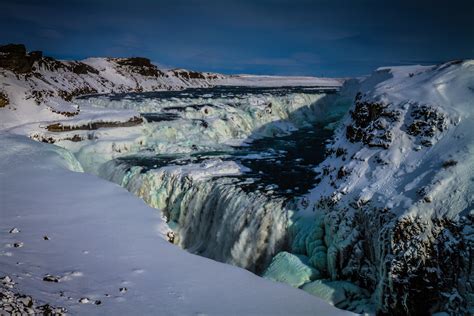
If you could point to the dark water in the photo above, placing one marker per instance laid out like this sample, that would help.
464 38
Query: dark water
280 165
214 92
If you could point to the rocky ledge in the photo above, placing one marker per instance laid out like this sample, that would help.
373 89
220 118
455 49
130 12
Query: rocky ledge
14 303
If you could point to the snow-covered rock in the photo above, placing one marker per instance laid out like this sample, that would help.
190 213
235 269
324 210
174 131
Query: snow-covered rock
396 192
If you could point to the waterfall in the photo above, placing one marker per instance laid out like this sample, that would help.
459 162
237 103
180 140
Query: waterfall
212 215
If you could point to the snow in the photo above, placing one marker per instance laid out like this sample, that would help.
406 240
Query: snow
102 240
278 81
447 90
209 168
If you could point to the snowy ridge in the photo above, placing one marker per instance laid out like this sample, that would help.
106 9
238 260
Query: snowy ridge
34 88
395 194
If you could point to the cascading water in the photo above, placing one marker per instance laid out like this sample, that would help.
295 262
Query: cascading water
231 206
211 214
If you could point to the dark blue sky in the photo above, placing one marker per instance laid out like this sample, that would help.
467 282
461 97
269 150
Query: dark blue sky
331 38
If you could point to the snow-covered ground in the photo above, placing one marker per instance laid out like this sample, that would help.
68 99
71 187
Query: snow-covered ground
101 239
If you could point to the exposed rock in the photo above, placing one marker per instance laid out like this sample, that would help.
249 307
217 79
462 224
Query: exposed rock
14 230
6 281
12 303
40 95
427 122
69 95
80 68
140 65
4 101
58 127
187 74
449 163
51 278
84 300
371 123
123 290
14 57
429 277
171 236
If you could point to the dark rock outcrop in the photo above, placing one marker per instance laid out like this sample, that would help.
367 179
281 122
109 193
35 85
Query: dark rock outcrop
58 127
15 58
80 68
140 65
186 74
4 101
371 122
14 303
427 122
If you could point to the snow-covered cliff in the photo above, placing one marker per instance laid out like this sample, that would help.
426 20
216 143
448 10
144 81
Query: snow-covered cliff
393 211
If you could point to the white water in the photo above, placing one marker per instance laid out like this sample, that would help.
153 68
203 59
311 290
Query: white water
192 124
211 215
